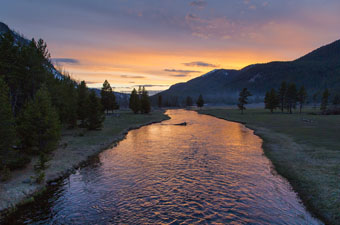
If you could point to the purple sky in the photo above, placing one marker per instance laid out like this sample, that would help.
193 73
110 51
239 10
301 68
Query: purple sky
162 42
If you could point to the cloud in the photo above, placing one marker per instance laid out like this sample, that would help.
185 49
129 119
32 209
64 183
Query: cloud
151 85
65 61
181 71
179 75
198 3
132 76
200 64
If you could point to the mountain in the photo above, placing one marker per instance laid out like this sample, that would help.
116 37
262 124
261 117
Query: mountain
317 70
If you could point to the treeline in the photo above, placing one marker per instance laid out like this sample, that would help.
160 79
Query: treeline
36 102
289 97
140 101
174 102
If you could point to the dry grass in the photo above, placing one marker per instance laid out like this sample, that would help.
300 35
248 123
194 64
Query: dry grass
303 148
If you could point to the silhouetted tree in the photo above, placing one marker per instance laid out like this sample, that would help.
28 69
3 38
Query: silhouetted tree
324 101
243 99
302 97
282 95
105 93
200 101
145 102
189 101
108 98
160 101
95 116
7 122
291 97
271 100
38 124
82 103
134 101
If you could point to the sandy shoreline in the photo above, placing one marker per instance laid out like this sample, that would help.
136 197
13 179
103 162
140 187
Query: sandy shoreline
64 161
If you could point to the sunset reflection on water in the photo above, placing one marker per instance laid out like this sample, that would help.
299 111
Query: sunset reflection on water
210 171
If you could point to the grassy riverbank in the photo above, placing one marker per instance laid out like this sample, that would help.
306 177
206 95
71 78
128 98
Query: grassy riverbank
74 148
303 148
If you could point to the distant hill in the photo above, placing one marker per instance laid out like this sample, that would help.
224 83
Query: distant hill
317 70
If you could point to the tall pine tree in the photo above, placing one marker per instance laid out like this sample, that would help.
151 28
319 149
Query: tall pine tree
134 101
145 102
200 101
38 124
302 97
243 99
271 100
7 122
82 103
282 95
291 97
95 116
108 99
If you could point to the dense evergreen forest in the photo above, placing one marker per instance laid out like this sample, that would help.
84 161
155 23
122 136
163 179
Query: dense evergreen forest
37 102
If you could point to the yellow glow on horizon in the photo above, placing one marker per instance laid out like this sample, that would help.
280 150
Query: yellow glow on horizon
140 66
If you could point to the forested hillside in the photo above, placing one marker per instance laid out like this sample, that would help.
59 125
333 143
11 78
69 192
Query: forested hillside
37 101
316 71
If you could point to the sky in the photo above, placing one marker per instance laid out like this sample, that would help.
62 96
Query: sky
158 43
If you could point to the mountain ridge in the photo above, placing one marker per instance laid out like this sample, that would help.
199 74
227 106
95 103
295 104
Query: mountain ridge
316 70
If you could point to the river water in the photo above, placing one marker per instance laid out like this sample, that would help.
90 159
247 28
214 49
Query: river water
208 172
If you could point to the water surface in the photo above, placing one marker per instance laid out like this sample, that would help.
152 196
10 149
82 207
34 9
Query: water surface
211 171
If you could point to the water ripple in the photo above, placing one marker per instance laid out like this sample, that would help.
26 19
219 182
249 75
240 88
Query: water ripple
209 172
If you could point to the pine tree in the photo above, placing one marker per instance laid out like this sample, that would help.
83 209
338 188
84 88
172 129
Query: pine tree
113 103
145 102
200 101
324 101
134 101
243 99
282 95
189 101
291 97
160 103
302 97
82 103
95 116
105 93
108 98
271 100
71 106
38 124
7 123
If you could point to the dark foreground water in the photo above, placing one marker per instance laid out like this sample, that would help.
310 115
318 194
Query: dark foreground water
211 171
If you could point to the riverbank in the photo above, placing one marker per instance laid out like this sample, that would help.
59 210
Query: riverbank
75 147
304 149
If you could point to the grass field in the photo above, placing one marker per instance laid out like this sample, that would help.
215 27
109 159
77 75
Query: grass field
74 148
303 148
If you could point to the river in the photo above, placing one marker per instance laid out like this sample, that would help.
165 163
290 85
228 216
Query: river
210 171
